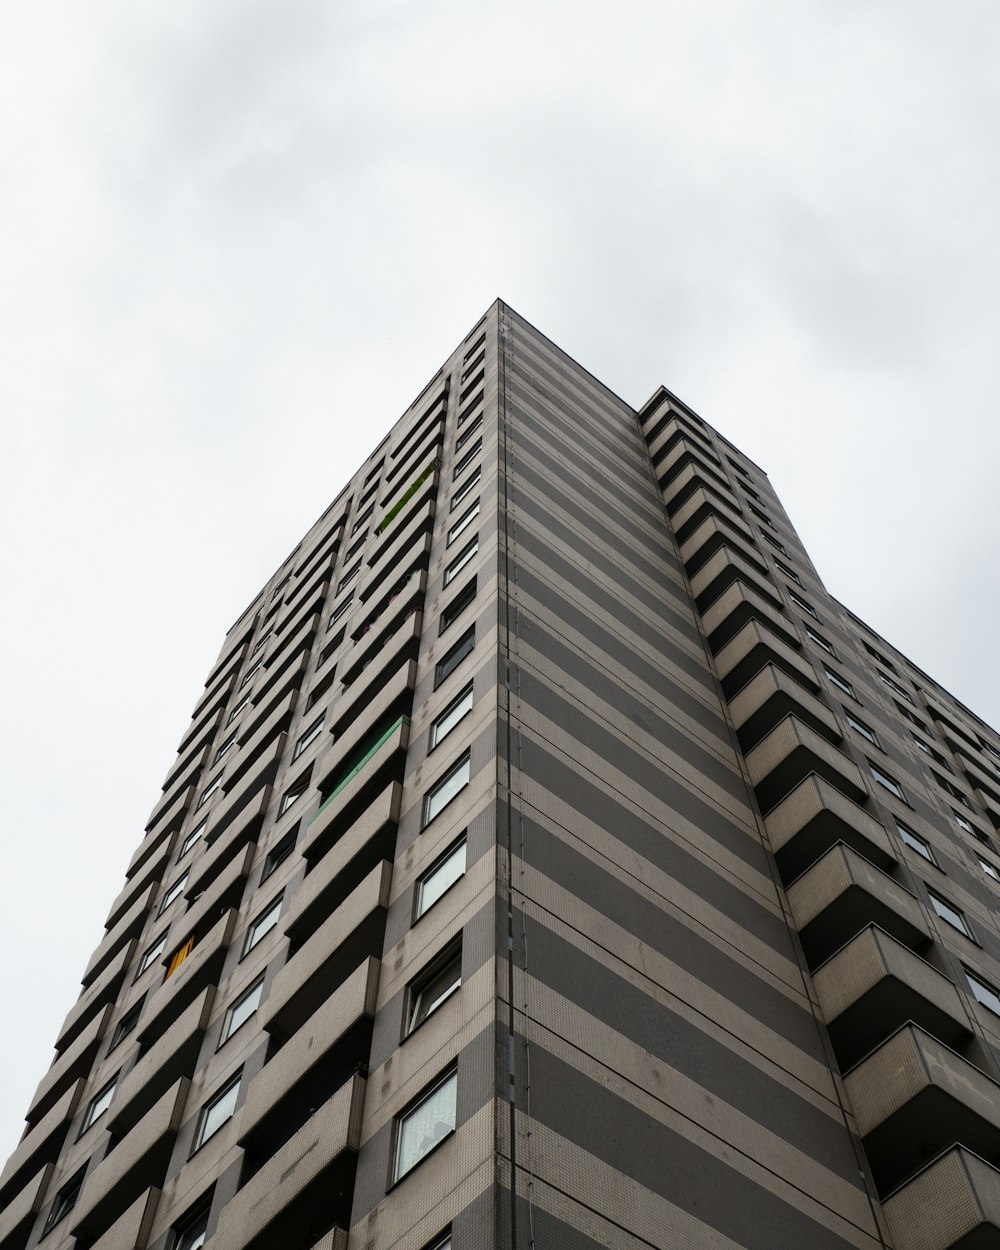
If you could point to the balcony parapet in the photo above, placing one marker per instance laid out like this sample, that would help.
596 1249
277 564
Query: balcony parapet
789 754
951 1204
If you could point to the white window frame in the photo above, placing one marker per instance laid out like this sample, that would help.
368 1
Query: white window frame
431 807
445 1087
460 848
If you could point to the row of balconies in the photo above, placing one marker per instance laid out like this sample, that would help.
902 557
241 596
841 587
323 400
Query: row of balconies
929 1117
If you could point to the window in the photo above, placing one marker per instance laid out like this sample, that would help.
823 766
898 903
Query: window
953 790
452 658
465 489
349 576
242 1009
237 709
840 682
450 717
464 437
991 870
894 685
339 610
251 672
905 712
434 985
451 784
802 605
788 572
152 954
820 641
99 1104
193 1233
213 785
877 655
922 745
126 1024
463 522
225 747
467 459
890 783
442 1243
915 842
293 794
860 727
279 852
983 992
425 1125
770 538
362 520
440 877
173 893
461 560
194 836
64 1201
215 1113
309 737
952 915
262 925
261 640
319 691
455 607
962 822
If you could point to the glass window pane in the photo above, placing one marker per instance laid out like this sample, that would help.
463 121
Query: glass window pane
465 520
914 841
242 1009
217 1113
461 560
450 661
429 1123
263 925
984 993
154 952
450 717
99 1104
446 789
950 914
427 995
440 878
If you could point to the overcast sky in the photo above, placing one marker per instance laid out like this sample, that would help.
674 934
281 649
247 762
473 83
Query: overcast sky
240 235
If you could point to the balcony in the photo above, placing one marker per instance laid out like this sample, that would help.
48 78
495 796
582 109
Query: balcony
202 967
76 1060
952 1204
814 817
42 1144
336 868
138 1162
873 986
694 476
152 871
221 847
701 505
99 992
131 1231
724 568
734 608
319 1161
225 891
913 1098
158 830
336 1037
174 1055
18 1217
768 698
353 933
710 536
249 751
789 753
129 926
843 893
748 651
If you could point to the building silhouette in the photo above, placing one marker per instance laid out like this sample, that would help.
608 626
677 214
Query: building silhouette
549 863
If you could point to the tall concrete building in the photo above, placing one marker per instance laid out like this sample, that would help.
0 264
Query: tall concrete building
550 864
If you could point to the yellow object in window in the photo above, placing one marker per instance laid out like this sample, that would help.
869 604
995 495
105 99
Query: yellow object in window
179 957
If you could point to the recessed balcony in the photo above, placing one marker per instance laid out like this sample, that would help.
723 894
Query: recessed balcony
843 893
952 1204
719 572
873 986
18 1216
713 533
42 1144
913 1098
724 619
748 651
816 816
76 1060
789 753
318 1163
768 698
132 1230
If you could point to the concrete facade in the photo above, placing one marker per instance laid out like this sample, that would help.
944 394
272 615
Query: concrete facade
550 862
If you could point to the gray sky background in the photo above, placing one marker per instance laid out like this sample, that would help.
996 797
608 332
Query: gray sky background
239 237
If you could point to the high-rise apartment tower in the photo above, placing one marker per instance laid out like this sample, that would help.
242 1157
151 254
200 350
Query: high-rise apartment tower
550 864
